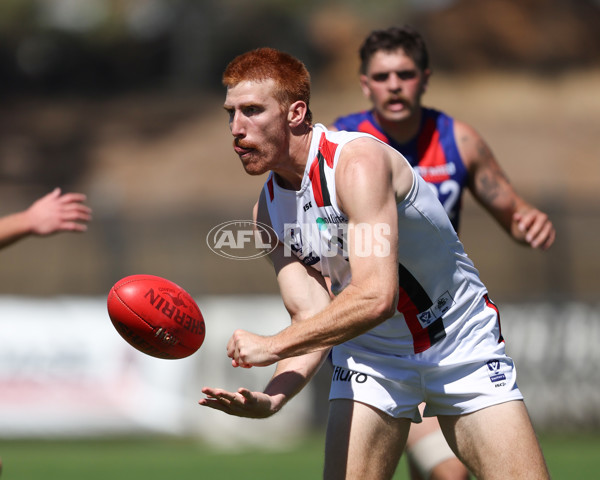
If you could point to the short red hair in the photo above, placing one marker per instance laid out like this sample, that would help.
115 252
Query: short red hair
292 80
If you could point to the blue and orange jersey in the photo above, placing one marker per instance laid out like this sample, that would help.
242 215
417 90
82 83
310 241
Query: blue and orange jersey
433 153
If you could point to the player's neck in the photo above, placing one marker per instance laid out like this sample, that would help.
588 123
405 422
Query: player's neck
290 172
401 131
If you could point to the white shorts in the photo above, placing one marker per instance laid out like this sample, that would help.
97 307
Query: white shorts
464 372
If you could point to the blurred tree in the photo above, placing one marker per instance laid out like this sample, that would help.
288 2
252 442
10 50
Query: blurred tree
108 46
529 35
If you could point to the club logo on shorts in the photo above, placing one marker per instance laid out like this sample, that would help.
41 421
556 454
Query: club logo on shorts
494 371
341 374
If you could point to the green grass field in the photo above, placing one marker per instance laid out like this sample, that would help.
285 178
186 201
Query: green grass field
569 457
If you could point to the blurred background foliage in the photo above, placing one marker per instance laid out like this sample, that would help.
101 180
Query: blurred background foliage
122 99
100 47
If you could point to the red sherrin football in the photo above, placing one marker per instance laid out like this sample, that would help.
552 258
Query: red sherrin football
156 316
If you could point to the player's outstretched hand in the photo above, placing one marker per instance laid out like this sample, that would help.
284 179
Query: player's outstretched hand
242 403
536 228
250 350
57 212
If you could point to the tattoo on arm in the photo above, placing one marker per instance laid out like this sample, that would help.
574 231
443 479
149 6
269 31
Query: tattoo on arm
489 181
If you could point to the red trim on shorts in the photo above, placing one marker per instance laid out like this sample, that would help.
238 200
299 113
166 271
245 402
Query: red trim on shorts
493 306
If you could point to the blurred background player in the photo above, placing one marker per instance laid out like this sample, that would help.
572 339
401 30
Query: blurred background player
52 213
452 157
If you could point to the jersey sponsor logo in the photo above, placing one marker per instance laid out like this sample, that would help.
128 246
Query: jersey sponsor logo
307 206
332 218
437 309
295 243
430 172
330 239
425 318
341 374
494 371
368 239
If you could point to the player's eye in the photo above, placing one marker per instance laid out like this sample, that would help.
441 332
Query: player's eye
406 74
251 110
380 77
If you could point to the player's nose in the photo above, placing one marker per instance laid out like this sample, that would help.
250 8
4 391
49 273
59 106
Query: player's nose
394 83
236 125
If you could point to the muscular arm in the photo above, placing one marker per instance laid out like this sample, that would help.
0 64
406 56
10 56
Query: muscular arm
368 183
492 189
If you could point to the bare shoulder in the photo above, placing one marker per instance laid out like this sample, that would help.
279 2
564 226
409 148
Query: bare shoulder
369 167
473 149
363 156
464 130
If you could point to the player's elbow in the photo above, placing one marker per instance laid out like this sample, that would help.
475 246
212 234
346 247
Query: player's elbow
385 304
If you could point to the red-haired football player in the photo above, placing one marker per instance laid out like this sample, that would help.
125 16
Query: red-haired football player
410 321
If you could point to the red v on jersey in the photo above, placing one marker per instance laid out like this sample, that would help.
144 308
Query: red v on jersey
367 127
433 166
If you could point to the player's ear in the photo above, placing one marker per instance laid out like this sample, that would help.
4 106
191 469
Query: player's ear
364 85
425 83
297 113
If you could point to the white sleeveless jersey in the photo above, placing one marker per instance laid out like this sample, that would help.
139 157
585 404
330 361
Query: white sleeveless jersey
438 284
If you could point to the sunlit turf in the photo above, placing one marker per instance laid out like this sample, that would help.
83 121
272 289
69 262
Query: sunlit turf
569 456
